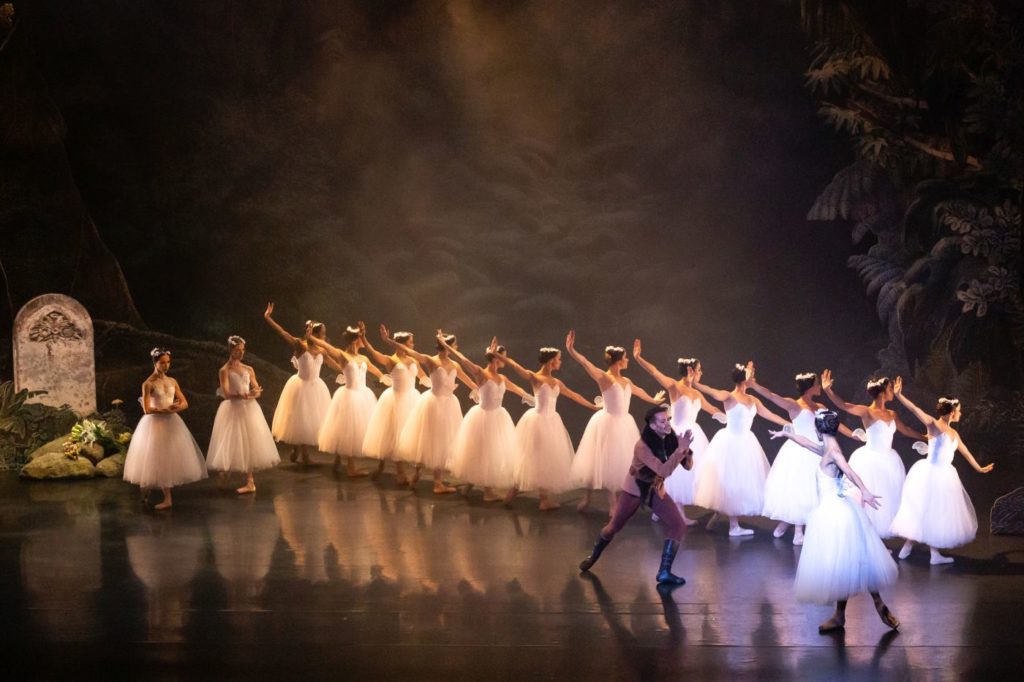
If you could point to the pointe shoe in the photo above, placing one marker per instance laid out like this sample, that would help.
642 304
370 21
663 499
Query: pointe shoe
886 615
163 505
780 530
905 551
740 531
833 624
939 559
246 489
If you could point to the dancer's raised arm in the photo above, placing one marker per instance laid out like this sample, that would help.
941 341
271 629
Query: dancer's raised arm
520 370
718 394
575 397
788 404
656 399
826 385
665 381
592 371
765 413
922 416
474 370
293 341
430 361
816 448
386 360
339 355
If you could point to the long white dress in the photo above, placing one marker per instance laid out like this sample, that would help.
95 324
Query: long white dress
241 439
544 449
934 508
344 426
842 554
303 403
428 437
791 489
163 453
485 447
881 470
606 449
681 485
391 412
732 478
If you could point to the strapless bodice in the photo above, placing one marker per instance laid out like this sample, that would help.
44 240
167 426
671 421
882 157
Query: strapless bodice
547 397
880 435
442 381
741 417
491 394
616 398
308 365
941 449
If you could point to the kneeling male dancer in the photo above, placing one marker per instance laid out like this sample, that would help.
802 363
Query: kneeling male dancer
655 457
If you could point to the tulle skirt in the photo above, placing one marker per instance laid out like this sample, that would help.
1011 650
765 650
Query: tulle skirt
681 485
300 411
842 554
883 474
163 453
544 453
605 452
485 448
344 427
428 437
934 508
732 477
386 422
791 489
241 439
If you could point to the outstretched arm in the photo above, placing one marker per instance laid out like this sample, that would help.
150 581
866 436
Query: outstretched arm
765 413
387 361
592 371
708 407
845 430
663 380
414 354
520 370
474 370
574 396
962 448
787 404
867 497
339 355
922 416
293 341
720 396
466 379
515 388
906 430
656 399
826 385
816 448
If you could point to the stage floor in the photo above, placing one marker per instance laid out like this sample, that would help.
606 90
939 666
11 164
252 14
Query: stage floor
325 577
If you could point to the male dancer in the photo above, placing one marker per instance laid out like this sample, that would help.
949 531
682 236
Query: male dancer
655 457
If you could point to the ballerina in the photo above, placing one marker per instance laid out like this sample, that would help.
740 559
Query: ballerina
544 456
606 449
877 464
395 404
429 433
241 440
935 510
842 554
485 447
732 478
345 423
686 404
163 453
304 399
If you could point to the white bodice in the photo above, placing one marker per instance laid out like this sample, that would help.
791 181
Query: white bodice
803 425
547 396
880 435
616 398
684 412
829 484
308 365
491 394
161 394
442 381
403 377
941 449
355 375
741 417
238 382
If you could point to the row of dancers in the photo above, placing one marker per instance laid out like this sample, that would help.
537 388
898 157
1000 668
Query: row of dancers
730 474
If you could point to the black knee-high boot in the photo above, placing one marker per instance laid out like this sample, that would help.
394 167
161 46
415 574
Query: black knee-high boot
668 555
595 553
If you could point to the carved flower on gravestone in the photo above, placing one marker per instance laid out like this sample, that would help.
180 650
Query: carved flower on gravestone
54 327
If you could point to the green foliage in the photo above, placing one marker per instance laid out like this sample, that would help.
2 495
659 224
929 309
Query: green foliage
14 412
26 426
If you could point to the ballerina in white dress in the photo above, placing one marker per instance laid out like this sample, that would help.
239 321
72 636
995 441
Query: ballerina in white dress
241 440
686 403
544 454
163 453
428 437
842 554
606 449
877 464
344 426
935 510
731 480
395 405
791 489
485 447
304 399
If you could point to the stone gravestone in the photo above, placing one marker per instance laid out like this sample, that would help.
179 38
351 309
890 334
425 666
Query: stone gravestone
53 352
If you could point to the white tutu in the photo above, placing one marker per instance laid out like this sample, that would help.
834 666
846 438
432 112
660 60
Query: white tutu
241 439
732 477
881 470
162 452
428 437
934 508
392 411
681 485
543 446
344 427
303 403
842 554
791 489
606 449
485 446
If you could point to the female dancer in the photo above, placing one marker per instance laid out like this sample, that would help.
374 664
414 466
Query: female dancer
877 464
842 554
544 459
395 404
344 426
428 437
485 447
731 481
935 509
304 399
241 440
687 402
606 448
163 453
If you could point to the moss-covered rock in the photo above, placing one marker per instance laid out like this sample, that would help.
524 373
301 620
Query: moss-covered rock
111 467
55 445
56 465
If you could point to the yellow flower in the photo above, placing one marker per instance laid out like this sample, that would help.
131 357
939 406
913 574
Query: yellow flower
125 437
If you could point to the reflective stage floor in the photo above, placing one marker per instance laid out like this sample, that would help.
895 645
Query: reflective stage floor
318 576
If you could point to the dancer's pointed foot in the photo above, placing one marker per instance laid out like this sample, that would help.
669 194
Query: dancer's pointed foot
939 558
246 489
886 615
798 536
687 521
166 504
739 531
833 624
441 488
905 549
780 529
415 478
490 495
711 521
352 471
